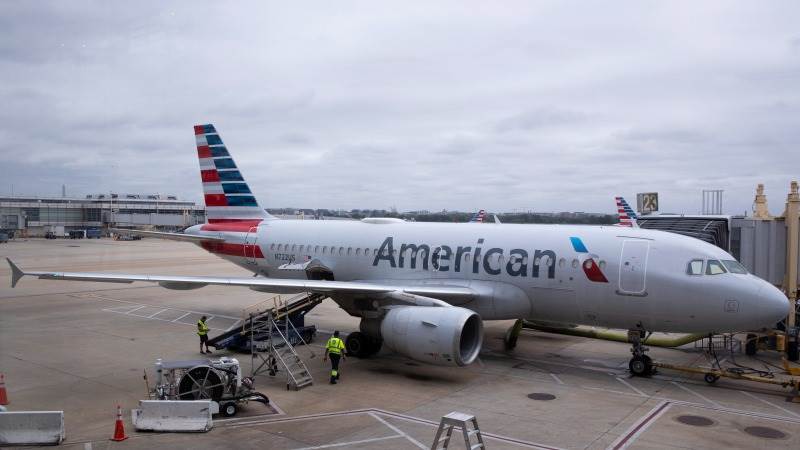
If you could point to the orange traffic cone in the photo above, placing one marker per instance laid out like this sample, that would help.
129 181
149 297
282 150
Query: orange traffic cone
119 427
3 395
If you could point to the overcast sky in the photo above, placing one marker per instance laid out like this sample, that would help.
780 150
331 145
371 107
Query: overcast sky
549 106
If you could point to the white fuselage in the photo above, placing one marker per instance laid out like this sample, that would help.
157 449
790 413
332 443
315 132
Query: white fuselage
594 275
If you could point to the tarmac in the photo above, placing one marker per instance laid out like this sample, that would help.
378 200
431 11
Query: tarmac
82 347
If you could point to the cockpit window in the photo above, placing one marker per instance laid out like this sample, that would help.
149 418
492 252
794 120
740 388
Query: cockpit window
695 267
714 267
734 266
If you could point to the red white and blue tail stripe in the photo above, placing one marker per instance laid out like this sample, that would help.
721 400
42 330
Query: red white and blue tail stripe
228 198
627 217
480 217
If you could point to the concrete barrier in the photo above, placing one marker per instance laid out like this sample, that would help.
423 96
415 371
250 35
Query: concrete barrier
31 427
173 415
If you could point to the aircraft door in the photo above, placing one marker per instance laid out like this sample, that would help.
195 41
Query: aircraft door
250 245
633 267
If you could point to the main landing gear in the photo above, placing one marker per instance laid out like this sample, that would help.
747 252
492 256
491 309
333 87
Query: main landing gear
640 365
361 345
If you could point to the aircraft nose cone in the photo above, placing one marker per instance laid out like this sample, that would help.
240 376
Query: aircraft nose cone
774 306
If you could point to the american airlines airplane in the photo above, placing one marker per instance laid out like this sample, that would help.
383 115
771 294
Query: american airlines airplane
627 217
424 289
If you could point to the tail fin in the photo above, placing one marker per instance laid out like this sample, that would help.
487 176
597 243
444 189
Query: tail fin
627 217
479 216
227 196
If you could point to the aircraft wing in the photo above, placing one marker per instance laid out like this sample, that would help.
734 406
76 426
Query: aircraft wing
169 236
258 284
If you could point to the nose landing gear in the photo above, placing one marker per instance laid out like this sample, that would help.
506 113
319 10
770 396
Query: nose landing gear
640 364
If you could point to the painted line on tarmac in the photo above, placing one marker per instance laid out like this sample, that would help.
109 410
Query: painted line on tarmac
399 431
791 413
632 387
363 441
236 423
558 380
701 396
640 426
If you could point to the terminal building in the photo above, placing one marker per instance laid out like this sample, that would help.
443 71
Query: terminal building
36 216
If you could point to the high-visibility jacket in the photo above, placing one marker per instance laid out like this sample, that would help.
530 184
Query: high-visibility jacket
202 328
335 346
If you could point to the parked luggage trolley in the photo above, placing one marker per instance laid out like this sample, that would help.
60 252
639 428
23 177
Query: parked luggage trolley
219 380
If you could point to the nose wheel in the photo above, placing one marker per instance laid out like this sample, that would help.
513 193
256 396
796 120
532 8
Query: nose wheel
640 364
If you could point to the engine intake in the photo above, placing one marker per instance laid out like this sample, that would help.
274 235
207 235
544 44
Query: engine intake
445 336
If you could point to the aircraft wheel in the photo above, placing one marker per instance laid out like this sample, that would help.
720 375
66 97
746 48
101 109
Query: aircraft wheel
710 378
641 366
357 344
374 345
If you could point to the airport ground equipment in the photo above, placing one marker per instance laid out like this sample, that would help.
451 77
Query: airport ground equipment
270 331
276 352
31 428
279 308
463 421
219 380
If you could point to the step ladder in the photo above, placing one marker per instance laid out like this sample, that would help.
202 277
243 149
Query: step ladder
457 419
283 353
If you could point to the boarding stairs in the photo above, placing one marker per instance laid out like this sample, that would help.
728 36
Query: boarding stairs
463 421
280 353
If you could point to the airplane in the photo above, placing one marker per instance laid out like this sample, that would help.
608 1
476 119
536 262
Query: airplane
424 289
480 217
627 217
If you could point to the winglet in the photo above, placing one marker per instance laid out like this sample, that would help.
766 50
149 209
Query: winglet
16 273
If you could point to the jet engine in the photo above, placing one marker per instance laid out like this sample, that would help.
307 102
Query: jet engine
445 336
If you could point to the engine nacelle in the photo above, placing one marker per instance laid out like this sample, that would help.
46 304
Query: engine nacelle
445 336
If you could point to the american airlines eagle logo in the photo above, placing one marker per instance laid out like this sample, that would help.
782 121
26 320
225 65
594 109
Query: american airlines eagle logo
589 265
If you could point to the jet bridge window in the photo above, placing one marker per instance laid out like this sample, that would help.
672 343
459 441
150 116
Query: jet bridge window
695 267
734 266
714 267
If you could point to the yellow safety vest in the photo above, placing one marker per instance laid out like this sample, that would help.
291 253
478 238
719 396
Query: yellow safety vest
335 345
202 328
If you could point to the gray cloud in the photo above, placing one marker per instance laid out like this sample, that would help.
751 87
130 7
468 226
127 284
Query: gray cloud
423 106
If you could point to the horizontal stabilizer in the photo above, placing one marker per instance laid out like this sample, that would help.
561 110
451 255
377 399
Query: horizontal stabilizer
168 236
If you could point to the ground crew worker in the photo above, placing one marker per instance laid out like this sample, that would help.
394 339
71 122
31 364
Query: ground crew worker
335 349
202 331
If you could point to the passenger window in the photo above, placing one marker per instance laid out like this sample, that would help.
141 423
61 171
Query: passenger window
714 267
358 252
349 251
272 247
562 262
695 267
341 251
316 249
300 249
575 263
602 264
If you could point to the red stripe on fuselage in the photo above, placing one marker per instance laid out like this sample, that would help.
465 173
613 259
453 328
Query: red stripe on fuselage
216 200
593 272
243 250
239 227
209 176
